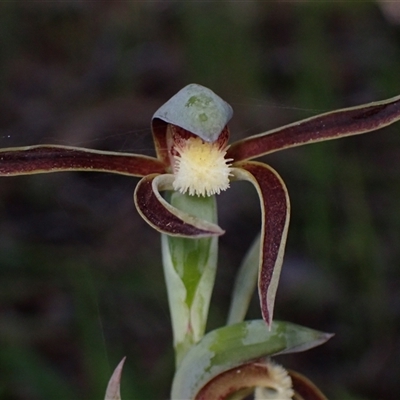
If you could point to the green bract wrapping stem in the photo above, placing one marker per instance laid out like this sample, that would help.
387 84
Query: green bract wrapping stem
189 268
234 345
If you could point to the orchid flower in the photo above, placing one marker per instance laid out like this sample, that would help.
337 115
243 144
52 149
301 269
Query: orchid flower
193 157
194 162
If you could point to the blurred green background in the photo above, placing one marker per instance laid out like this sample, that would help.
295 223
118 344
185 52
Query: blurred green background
80 273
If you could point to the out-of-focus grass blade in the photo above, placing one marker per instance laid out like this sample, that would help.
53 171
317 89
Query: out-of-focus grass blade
245 284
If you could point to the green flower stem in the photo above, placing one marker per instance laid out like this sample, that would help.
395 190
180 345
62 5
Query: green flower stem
189 269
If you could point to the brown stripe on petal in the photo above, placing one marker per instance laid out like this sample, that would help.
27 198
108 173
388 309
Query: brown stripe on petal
52 158
275 208
328 126
177 137
223 138
159 129
165 218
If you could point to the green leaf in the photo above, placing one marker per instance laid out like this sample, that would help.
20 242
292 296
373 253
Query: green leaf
233 345
189 268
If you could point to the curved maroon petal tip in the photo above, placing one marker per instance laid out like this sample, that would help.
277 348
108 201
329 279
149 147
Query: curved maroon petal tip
275 207
304 388
52 158
332 125
165 218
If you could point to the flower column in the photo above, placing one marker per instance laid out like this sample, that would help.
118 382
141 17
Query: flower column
192 126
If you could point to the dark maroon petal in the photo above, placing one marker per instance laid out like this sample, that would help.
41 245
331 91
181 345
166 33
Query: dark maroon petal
165 218
332 125
304 389
275 208
52 158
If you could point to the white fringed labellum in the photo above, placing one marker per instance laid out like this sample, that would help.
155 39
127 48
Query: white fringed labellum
200 168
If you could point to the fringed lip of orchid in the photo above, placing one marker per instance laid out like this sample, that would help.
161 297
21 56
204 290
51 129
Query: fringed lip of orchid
200 168
204 115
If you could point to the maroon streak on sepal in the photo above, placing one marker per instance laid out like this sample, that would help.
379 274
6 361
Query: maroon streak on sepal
159 130
304 389
332 125
53 158
275 207
165 218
